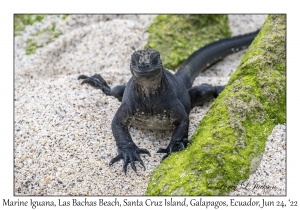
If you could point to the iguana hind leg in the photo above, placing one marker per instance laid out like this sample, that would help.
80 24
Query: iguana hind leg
98 82
203 93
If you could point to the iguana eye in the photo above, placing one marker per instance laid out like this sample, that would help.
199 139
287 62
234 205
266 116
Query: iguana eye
134 59
155 58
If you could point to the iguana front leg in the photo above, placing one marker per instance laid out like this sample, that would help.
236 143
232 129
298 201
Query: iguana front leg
98 82
127 150
179 139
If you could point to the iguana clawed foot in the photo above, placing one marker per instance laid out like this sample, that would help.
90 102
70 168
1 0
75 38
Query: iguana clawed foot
174 147
129 155
96 81
218 90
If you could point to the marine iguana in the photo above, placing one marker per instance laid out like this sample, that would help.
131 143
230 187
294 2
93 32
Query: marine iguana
154 98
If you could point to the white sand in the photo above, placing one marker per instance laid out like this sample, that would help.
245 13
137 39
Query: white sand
63 138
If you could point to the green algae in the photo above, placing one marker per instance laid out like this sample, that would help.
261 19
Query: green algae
228 143
178 36
41 38
21 20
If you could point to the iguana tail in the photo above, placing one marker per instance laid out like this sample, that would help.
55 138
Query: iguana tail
210 54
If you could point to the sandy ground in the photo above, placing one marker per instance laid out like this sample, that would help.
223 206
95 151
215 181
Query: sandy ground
63 138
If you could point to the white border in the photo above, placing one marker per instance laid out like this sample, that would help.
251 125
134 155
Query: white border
153 6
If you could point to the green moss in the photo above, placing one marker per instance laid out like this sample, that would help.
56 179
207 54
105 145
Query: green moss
20 21
63 16
228 143
41 39
30 47
178 36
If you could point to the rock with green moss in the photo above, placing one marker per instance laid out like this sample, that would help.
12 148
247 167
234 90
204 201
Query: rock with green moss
178 36
228 144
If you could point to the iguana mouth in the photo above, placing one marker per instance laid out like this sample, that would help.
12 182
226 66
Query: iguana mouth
146 72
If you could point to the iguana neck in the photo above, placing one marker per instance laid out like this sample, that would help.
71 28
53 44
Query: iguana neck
151 85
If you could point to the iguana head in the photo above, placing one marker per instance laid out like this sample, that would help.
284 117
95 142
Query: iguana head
146 64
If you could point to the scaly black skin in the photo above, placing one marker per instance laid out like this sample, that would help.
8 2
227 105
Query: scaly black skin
156 99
